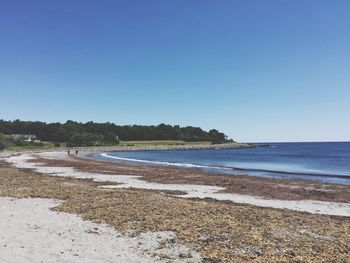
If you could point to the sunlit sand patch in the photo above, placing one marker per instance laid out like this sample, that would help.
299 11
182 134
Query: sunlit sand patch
31 232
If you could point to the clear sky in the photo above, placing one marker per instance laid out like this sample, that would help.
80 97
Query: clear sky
257 70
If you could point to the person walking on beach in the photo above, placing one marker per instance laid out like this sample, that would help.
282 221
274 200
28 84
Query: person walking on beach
68 151
76 152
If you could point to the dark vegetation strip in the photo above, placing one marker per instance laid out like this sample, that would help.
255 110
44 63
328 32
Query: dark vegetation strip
92 134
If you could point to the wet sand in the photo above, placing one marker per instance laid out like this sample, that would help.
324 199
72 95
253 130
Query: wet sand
226 183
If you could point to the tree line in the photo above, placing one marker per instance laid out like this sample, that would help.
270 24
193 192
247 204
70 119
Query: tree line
90 133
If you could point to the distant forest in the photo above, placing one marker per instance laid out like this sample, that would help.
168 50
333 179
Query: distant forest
91 133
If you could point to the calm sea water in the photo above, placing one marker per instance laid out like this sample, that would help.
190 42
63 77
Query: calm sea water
326 161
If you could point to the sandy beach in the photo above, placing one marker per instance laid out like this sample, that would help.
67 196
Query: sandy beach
152 213
175 131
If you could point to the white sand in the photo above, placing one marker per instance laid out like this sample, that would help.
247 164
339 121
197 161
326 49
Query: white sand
193 191
30 232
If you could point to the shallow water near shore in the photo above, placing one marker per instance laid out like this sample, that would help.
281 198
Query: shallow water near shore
325 162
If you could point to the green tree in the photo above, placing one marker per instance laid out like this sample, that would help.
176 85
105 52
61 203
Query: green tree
2 145
3 142
216 136
85 133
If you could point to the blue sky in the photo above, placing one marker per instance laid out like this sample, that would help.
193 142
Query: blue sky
257 70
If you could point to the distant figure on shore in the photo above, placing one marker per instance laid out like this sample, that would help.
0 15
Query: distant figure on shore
68 152
76 152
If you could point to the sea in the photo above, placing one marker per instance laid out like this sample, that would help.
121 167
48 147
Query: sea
317 161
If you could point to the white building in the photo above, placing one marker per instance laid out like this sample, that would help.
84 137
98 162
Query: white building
24 137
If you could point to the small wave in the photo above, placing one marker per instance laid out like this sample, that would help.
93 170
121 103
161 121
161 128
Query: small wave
185 165
225 168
